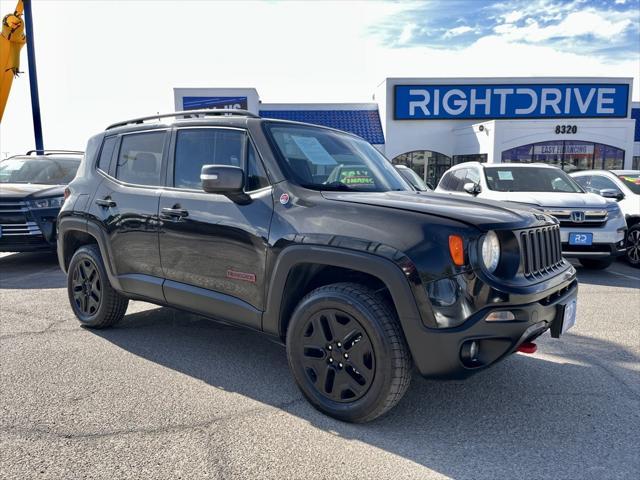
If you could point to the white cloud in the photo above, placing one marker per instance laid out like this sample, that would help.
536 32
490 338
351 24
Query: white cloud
454 32
574 24
620 2
407 33
512 17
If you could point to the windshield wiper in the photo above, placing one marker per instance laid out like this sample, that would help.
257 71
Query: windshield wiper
343 187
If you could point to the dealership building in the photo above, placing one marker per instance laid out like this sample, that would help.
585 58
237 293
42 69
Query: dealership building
430 124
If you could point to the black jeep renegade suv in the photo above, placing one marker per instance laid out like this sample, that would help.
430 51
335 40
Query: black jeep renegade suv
241 219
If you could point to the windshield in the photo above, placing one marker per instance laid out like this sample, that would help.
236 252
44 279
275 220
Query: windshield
530 179
413 178
326 160
632 181
46 171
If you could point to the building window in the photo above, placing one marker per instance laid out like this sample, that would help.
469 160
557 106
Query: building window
570 155
429 165
474 157
635 165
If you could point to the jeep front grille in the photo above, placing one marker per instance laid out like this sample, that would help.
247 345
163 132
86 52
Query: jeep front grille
541 250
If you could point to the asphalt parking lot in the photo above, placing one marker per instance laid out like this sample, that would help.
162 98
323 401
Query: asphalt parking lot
170 395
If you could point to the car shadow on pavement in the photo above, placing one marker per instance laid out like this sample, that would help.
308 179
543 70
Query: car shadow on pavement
527 417
33 270
619 274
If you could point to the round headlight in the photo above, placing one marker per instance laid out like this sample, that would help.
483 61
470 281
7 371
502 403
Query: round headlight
491 251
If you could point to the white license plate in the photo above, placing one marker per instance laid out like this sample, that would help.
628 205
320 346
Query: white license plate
569 319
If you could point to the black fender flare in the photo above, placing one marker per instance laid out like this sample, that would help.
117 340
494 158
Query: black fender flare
68 224
382 268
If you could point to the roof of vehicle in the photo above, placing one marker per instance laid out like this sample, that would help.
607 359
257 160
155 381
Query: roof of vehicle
61 154
400 166
513 164
612 172
227 117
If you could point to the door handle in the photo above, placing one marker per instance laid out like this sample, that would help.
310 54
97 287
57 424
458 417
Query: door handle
105 202
176 213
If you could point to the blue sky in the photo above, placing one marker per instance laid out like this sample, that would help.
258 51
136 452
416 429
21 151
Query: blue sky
100 61
604 28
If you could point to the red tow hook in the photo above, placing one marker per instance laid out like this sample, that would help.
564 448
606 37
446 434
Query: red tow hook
528 347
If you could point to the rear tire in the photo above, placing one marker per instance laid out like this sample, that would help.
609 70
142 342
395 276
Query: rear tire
633 246
348 353
596 264
93 300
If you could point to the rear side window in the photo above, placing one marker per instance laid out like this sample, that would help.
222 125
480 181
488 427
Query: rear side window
140 158
106 153
207 146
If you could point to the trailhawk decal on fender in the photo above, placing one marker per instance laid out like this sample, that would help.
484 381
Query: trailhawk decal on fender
246 277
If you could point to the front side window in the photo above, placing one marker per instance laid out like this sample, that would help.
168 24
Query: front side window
256 175
140 158
42 170
205 146
530 179
322 159
598 182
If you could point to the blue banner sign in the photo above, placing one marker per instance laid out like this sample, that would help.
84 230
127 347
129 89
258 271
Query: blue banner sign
194 103
566 100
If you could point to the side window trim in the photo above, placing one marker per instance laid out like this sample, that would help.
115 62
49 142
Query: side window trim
163 164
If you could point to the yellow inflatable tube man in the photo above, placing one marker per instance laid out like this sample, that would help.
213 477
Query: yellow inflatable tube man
11 41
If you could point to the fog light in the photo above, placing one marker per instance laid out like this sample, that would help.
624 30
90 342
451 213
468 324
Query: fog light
503 316
469 353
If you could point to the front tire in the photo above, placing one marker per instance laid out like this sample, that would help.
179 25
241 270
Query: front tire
596 264
93 300
633 246
348 353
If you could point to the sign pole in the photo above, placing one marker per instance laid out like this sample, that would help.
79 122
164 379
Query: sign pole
33 76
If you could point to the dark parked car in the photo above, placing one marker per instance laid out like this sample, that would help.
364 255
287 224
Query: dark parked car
234 217
31 194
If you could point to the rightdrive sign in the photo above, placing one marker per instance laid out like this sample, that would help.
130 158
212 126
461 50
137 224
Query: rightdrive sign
565 100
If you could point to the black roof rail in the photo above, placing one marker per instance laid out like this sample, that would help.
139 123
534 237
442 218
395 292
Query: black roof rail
54 152
186 113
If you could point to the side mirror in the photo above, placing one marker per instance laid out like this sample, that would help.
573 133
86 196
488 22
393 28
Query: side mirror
472 188
223 179
611 193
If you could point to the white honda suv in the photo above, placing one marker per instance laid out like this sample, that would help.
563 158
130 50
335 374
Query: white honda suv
624 187
592 228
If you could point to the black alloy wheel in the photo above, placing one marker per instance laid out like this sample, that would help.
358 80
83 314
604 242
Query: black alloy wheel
347 352
93 300
337 355
633 246
87 288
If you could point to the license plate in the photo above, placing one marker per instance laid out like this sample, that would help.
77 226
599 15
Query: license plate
580 238
569 317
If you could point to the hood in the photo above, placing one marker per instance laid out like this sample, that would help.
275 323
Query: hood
29 190
551 199
483 214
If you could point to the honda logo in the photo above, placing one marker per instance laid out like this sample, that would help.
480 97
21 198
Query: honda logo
577 217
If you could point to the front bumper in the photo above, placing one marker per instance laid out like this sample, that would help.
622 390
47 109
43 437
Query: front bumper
608 241
441 352
28 230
